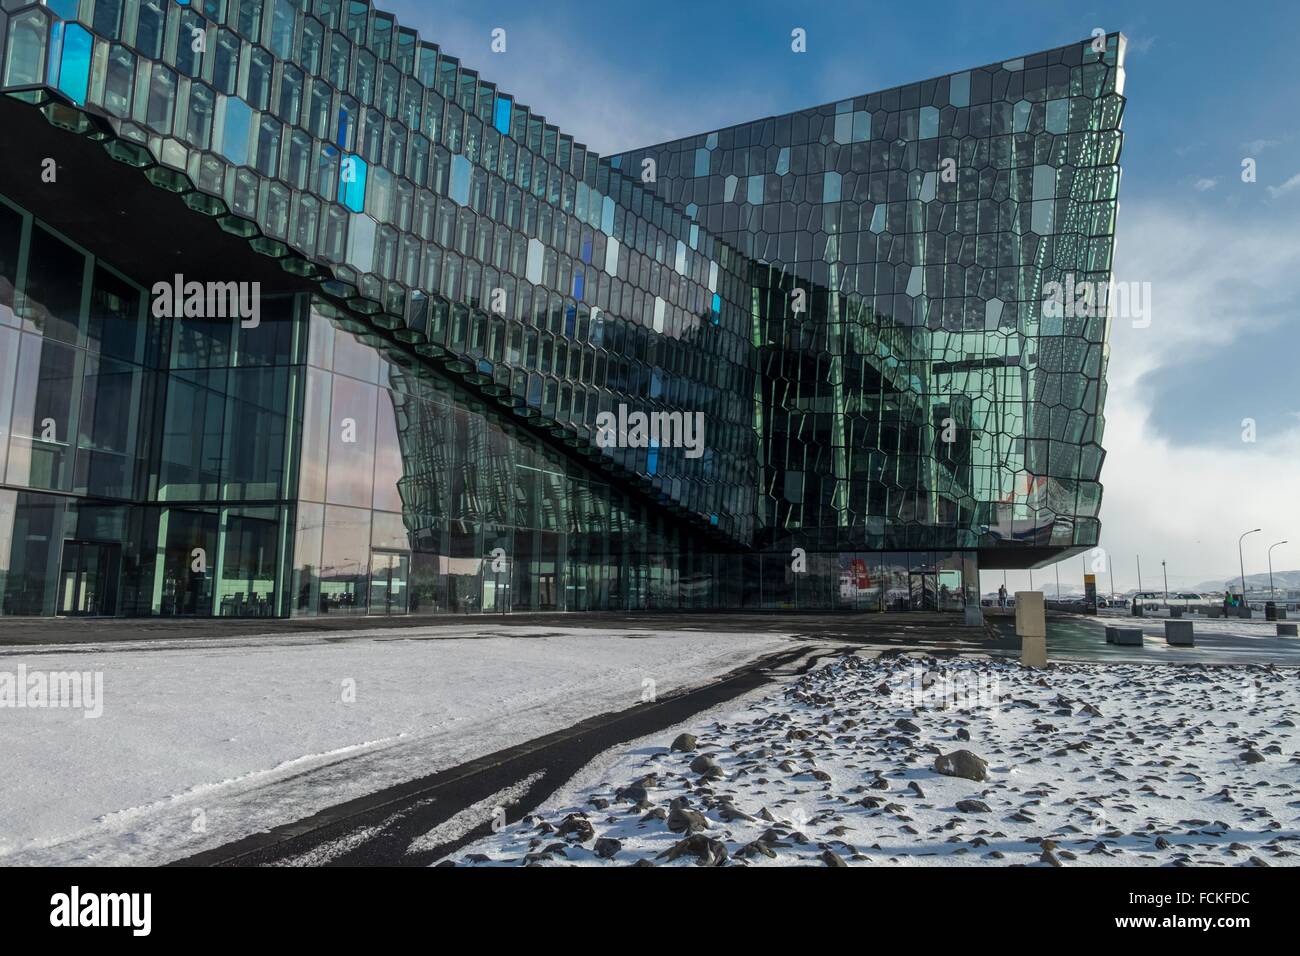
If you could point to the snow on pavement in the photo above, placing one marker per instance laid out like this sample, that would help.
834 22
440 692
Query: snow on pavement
203 742
1081 764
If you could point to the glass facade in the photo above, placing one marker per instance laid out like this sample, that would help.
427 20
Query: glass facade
845 306
933 390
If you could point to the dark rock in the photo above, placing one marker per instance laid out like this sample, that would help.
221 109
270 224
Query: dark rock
962 763
703 764
973 806
686 821
577 826
606 848
756 848
683 742
831 858
707 852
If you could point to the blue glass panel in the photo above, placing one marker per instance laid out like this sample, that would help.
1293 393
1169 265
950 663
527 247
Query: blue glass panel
501 120
234 135
345 121
717 308
353 172
74 71
56 48
652 457
64 8
831 188
579 284
460 171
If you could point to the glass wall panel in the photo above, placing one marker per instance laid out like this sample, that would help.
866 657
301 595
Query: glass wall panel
345 561
55 277
107 428
44 412
193 435
247 585
185 573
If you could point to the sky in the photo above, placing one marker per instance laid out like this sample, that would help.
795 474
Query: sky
1208 85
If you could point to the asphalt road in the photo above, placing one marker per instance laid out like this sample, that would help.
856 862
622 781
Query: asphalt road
1076 637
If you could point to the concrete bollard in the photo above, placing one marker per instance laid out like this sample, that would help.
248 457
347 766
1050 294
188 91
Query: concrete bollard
1287 630
1128 636
1031 626
1179 633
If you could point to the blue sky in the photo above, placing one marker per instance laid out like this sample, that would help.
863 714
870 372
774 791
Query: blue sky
1209 84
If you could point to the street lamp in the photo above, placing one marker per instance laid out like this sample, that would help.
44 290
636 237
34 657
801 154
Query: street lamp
1242 562
1165 574
1271 596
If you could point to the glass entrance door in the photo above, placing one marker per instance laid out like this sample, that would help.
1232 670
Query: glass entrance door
389 574
88 582
923 591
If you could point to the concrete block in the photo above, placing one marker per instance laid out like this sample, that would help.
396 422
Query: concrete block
1216 610
1179 633
1033 651
1287 630
1244 611
1031 619
1110 634
974 616
1128 636
1175 611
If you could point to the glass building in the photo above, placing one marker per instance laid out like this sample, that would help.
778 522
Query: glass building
840 318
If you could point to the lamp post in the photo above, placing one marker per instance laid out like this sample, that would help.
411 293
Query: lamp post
1165 574
1271 596
1242 562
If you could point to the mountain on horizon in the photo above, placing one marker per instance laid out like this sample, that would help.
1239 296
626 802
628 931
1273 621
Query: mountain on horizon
1254 582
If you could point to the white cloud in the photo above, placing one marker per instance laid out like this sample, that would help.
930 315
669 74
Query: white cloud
1205 183
1291 184
1212 280
1142 45
1259 145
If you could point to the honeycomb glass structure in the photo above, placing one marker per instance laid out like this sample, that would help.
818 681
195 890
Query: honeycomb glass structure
844 308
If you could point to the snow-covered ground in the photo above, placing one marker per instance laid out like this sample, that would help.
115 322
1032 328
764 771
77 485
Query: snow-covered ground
1083 764
201 742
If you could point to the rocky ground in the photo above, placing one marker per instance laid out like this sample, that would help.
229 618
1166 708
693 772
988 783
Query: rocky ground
913 761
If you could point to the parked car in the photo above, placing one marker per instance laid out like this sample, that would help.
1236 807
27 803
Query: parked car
1151 600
